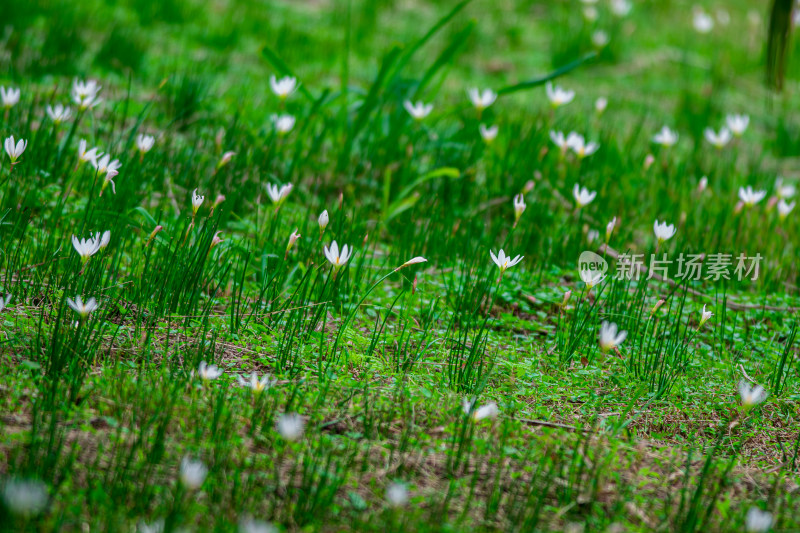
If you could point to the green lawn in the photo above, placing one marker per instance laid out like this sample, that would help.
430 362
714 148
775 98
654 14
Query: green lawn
227 368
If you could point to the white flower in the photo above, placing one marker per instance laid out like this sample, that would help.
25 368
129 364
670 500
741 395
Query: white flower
10 96
397 494
559 140
105 164
110 168
209 372
719 140
488 410
702 21
419 110
704 316
109 178
579 145
591 278
283 123
557 95
750 197
600 38
466 405
519 206
323 220
193 473
702 185
621 8
784 209
665 137
609 337
81 307
14 150
663 231
278 194
737 123
503 261
250 525
87 155
153 527
590 13
283 87
25 497
337 259
105 239
84 94
5 302
144 143
600 104
751 395
59 113
758 521
87 247
197 201
488 134
784 190
583 196
481 99
610 228
592 235
290 426
258 385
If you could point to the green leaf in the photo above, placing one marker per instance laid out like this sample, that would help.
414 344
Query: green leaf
397 207
147 216
31 365
441 23
448 172
446 57
530 84
405 200
370 103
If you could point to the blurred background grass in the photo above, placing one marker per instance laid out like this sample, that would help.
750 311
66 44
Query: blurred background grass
512 41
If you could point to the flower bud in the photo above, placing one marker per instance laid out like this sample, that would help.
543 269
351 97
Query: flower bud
567 296
216 240
226 158
519 207
657 306
292 239
610 228
153 234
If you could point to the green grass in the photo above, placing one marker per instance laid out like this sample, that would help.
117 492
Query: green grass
377 360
